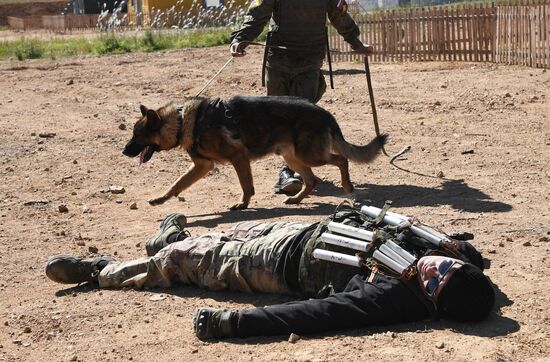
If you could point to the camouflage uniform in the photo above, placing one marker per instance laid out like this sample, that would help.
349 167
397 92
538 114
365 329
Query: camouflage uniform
243 259
299 25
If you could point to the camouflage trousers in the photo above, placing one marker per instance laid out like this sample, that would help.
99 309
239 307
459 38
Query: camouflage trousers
242 259
309 84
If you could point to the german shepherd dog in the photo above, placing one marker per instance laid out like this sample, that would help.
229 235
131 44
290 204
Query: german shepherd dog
242 129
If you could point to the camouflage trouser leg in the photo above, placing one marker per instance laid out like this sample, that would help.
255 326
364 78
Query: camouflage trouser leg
310 85
243 259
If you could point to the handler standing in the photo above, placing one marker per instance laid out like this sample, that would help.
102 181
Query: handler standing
300 27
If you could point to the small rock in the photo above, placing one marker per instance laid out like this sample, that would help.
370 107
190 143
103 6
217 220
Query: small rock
122 126
440 174
467 152
27 329
533 99
93 249
501 244
17 341
437 103
444 86
46 135
33 134
75 162
138 245
181 198
157 297
118 201
36 202
96 115
80 243
73 358
293 338
440 345
509 239
527 243
193 351
492 251
133 206
543 238
114 189
507 95
70 82
63 208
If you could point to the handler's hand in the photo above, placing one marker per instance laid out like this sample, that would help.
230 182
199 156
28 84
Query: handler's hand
364 49
237 50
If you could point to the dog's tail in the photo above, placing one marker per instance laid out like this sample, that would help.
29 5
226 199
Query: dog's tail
361 154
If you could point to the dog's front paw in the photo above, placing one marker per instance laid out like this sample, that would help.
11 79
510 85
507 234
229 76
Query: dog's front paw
239 206
293 200
158 201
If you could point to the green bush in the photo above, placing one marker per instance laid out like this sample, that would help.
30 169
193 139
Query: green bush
111 44
151 42
29 49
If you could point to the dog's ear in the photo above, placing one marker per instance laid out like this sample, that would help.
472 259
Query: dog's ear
143 110
154 121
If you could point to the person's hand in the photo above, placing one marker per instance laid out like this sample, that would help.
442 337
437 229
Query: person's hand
364 49
237 50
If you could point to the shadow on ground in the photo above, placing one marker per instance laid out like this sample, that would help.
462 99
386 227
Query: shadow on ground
455 193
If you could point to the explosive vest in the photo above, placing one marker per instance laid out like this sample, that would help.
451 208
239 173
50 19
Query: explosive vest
319 278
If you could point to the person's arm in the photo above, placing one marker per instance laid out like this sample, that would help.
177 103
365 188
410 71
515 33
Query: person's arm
258 15
368 306
346 26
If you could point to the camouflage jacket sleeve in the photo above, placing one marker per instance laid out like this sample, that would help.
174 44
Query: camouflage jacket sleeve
342 21
256 18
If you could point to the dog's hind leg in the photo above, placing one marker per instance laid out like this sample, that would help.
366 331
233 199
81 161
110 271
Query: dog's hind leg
342 163
241 163
307 175
197 171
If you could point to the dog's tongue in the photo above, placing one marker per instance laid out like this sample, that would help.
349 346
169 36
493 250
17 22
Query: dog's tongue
142 155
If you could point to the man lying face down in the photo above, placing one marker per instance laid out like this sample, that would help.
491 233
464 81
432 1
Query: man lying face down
277 258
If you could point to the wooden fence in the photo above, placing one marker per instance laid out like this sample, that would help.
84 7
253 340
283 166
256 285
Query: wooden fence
62 23
523 35
515 34
28 22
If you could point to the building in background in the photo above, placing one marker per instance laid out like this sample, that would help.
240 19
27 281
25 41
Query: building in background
81 7
173 12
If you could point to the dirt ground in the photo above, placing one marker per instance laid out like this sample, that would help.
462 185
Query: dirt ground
480 137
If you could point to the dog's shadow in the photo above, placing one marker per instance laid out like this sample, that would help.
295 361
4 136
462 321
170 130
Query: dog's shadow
455 193
234 216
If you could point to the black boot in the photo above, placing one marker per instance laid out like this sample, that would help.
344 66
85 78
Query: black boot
68 269
289 182
210 323
172 224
